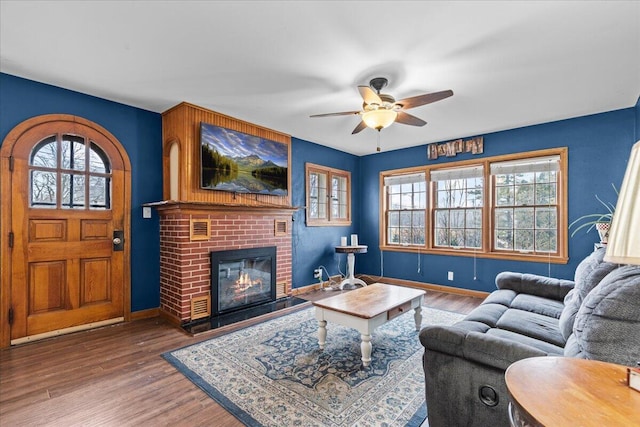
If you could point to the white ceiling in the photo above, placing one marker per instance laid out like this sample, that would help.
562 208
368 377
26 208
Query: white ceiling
274 63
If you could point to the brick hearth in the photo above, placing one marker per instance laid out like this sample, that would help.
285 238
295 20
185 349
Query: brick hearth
185 268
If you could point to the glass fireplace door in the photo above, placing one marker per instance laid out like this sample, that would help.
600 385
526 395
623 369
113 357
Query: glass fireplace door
242 278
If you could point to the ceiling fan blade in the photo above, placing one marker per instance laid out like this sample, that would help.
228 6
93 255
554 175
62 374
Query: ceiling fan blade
427 98
358 128
369 96
345 113
408 119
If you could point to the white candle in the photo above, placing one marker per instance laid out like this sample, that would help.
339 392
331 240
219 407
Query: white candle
354 240
343 241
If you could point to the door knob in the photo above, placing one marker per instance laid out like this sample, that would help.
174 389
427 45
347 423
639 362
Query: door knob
118 240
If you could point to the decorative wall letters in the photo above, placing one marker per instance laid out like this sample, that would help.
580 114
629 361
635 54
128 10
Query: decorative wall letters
451 148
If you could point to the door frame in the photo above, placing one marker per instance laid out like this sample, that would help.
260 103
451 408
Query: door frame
5 210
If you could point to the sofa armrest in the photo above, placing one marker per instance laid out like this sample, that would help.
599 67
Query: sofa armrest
476 346
533 284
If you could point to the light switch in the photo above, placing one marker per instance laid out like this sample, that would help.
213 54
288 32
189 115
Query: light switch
146 212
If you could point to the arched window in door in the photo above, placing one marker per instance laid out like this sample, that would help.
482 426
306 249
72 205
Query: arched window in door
69 172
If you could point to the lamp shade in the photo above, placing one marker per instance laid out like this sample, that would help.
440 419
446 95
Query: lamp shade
379 119
624 237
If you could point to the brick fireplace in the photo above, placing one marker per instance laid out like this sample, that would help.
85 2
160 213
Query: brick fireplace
189 232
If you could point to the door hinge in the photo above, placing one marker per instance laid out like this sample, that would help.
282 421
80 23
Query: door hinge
11 239
10 163
10 316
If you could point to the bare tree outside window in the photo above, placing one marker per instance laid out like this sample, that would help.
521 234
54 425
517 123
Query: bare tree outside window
526 211
458 213
406 204
61 166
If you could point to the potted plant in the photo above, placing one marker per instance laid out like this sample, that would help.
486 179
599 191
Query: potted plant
600 221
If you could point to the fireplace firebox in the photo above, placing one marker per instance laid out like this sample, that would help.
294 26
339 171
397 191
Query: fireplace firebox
242 278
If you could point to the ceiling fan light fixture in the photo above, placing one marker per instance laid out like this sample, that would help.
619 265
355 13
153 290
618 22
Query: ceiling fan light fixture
379 119
380 110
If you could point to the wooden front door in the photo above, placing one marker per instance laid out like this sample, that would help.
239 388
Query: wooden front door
68 248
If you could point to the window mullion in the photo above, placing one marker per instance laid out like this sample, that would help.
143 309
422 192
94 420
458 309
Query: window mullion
429 215
330 200
87 174
490 229
59 171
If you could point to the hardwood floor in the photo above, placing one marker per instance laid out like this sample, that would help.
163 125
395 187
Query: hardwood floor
115 375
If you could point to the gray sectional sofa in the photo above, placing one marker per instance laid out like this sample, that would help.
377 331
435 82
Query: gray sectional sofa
595 316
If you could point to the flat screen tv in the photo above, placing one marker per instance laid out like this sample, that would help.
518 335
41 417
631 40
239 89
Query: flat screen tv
240 163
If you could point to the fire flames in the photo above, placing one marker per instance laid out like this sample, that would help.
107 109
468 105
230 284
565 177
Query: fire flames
245 282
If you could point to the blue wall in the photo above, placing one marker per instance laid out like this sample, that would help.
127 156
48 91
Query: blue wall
314 246
598 150
139 131
599 147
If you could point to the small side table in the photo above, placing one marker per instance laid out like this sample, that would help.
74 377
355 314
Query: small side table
351 263
564 391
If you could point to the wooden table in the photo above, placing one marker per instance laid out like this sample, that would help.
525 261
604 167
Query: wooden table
562 391
351 263
364 309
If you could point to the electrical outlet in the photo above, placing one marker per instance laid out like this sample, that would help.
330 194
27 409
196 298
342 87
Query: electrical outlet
450 275
317 273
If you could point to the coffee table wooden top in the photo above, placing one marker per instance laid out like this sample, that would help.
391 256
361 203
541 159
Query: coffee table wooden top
564 391
369 301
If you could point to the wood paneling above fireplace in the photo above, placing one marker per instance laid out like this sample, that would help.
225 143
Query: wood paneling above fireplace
181 126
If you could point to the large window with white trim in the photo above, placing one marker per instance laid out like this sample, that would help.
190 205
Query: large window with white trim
511 206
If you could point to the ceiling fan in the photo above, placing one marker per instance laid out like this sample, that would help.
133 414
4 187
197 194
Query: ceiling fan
380 110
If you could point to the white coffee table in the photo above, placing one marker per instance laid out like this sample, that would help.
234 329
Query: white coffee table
364 309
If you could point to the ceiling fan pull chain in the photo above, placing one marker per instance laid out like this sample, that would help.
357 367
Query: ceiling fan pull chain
378 149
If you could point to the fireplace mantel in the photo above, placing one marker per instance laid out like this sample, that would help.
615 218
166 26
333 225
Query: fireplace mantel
199 207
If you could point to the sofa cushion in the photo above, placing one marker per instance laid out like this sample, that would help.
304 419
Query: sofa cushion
588 274
498 301
534 325
501 296
489 314
539 305
606 326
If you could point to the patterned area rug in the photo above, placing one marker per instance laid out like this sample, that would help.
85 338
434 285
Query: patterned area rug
273 373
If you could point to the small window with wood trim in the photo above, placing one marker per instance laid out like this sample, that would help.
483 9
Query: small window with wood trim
328 196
